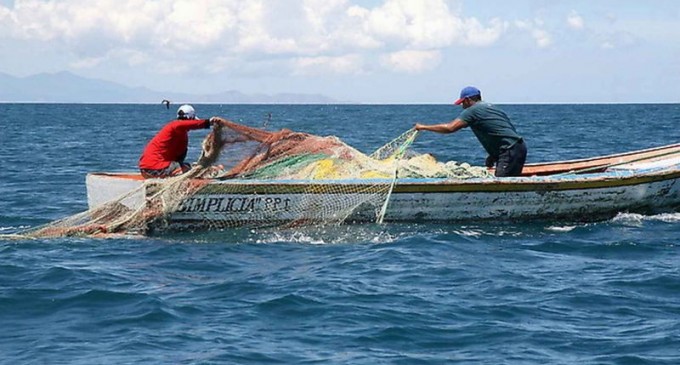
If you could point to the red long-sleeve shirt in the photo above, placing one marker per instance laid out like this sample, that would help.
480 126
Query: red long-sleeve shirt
170 144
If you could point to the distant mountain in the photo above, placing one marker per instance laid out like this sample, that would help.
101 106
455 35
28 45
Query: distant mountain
65 87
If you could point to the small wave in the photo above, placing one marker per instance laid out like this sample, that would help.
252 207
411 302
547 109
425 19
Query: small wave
469 232
290 306
330 235
14 228
295 237
489 231
635 218
560 228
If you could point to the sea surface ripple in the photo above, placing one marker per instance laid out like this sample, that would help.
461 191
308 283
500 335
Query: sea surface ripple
489 293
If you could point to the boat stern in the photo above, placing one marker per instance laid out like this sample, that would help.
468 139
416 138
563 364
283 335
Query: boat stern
105 187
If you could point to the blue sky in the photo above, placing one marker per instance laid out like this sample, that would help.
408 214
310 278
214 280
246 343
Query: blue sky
378 51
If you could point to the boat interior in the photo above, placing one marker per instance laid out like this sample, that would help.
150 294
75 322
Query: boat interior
602 163
578 166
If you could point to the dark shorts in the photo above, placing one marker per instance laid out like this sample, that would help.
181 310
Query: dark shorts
511 161
174 169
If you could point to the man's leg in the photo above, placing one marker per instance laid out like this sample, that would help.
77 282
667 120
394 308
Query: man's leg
173 169
511 161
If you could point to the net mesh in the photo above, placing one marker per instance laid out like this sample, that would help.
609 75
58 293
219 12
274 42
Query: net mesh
290 179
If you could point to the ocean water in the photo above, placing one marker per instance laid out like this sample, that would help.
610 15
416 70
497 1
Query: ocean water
512 293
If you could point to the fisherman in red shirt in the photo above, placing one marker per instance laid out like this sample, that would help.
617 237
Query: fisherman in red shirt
164 155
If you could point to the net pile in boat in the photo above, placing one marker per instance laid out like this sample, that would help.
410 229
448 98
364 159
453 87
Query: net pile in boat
333 182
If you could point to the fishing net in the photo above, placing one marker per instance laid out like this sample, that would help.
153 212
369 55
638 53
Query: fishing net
251 177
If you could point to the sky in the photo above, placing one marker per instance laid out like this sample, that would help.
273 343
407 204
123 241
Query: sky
362 51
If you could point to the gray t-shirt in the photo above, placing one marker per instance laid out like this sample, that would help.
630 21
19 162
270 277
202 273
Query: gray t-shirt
491 126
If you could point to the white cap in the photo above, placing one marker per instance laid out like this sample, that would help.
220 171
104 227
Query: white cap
186 111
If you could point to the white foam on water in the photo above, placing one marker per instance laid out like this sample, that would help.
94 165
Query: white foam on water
634 218
14 228
385 237
330 235
296 237
469 232
491 231
560 228
668 217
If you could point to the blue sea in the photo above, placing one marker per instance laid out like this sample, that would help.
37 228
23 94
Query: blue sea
488 293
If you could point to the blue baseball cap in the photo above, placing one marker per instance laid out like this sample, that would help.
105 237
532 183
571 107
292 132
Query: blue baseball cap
467 92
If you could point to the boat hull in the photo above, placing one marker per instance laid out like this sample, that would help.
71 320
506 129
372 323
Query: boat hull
269 203
585 202
444 201
590 189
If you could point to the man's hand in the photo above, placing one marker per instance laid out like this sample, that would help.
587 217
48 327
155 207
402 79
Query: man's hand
418 127
214 120
490 161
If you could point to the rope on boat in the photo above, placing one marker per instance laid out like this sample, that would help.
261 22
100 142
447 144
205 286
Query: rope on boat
600 167
397 157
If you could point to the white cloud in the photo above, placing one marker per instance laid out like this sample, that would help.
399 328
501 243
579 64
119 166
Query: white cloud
321 12
197 23
255 34
87 62
133 57
412 61
575 21
607 45
521 24
424 23
477 35
184 33
349 64
618 39
541 37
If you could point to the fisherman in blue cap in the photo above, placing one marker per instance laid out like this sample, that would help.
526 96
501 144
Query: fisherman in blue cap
492 127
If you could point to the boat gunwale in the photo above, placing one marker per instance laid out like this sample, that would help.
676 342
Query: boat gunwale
606 157
540 184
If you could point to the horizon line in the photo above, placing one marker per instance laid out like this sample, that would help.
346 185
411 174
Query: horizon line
343 103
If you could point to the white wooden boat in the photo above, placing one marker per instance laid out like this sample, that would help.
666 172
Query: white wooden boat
643 181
